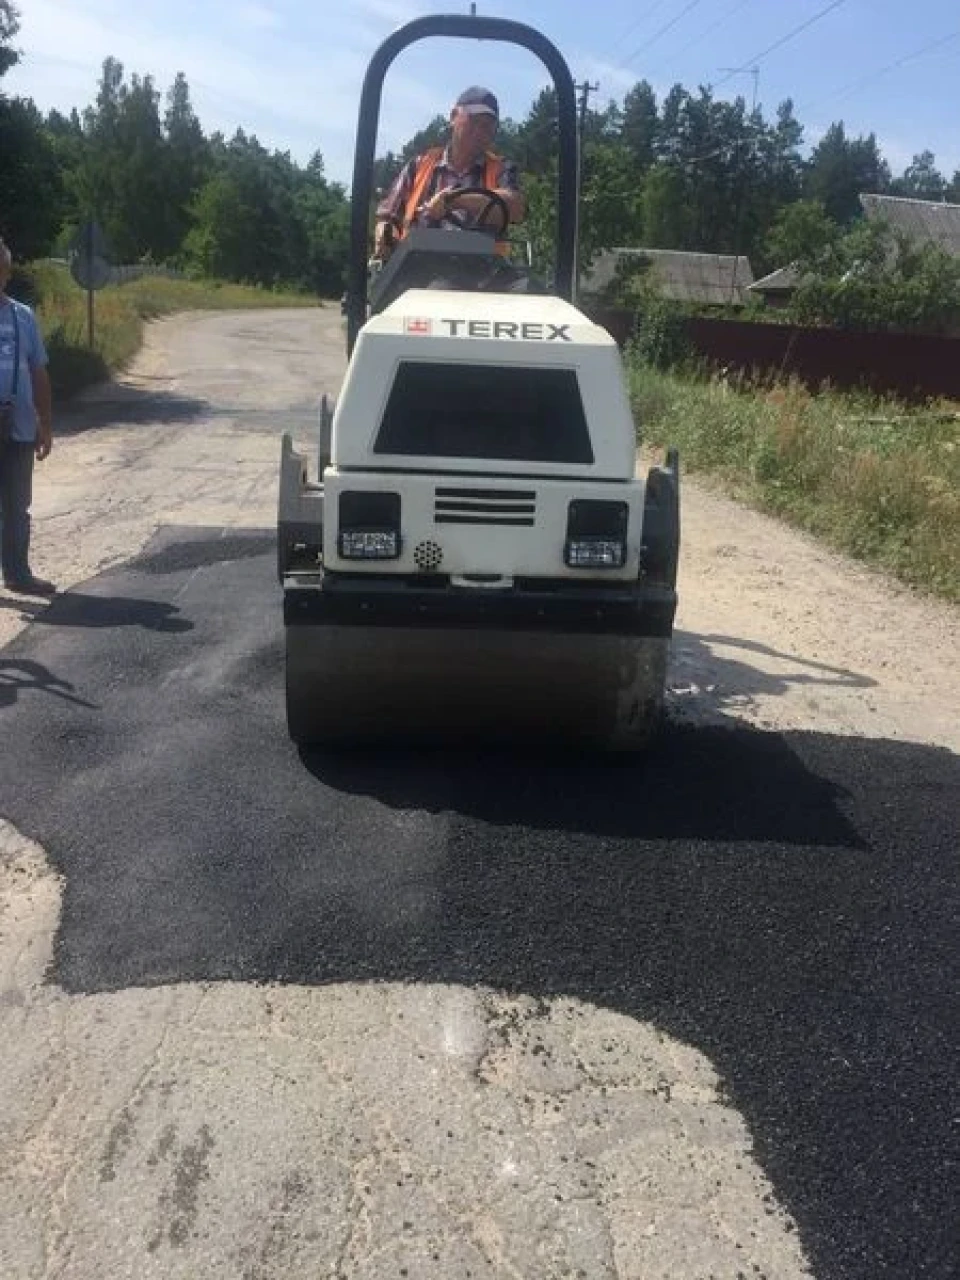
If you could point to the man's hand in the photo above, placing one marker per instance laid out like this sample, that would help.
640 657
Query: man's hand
384 239
43 399
436 207
44 440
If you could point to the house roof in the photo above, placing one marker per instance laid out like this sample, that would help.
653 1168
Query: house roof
925 221
685 277
784 279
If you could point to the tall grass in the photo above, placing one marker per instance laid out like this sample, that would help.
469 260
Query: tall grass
120 312
874 478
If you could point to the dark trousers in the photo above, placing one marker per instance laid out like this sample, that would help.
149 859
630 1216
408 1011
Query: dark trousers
16 494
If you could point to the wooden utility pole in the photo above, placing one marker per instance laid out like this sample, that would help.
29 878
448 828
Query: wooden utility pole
586 88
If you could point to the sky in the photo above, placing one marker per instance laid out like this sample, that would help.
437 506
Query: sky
290 71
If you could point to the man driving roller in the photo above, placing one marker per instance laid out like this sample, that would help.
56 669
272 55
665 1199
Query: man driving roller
424 191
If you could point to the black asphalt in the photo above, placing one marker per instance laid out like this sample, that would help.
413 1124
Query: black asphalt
786 903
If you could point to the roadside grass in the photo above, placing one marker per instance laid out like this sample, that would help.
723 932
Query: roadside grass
120 312
874 478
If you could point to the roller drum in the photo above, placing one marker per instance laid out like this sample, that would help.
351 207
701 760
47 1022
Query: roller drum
349 685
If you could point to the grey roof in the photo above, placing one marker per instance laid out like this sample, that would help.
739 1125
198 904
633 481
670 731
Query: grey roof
685 277
930 221
784 279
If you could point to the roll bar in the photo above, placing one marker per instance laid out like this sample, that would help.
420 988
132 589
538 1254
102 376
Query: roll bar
470 27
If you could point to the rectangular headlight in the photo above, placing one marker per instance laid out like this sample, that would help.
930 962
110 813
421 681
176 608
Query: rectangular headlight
370 544
596 534
369 525
595 553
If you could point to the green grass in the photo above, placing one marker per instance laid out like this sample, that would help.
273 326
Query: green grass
874 478
120 312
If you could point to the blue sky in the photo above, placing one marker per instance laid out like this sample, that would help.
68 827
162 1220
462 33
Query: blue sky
290 70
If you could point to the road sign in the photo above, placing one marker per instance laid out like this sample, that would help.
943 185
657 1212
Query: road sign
89 255
90 265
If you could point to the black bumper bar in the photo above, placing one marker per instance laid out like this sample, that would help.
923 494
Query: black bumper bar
635 610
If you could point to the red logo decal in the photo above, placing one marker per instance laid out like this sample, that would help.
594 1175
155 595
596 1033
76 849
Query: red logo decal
413 325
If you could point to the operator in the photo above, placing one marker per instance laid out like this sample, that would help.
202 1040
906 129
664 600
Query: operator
421 193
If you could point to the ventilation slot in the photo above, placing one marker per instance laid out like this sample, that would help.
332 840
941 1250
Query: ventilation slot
485 506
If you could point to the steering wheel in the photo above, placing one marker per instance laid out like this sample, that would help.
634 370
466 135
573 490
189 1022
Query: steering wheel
477 221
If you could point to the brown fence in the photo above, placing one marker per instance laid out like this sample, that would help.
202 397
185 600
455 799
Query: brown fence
905 364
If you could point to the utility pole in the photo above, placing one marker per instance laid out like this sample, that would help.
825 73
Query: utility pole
586 88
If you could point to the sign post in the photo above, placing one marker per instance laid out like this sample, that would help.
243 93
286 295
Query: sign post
90 265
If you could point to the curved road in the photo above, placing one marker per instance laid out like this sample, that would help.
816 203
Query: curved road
269 1014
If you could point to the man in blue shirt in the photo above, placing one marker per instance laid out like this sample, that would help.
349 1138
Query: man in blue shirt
25 432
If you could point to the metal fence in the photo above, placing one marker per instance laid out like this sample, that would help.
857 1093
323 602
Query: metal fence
914 366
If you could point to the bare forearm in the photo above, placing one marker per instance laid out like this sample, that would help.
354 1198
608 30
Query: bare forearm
475 202
42 395
514 202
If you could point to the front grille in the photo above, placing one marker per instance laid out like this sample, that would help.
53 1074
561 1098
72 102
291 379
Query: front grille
485 506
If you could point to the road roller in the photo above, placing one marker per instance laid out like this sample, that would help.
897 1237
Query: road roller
473 554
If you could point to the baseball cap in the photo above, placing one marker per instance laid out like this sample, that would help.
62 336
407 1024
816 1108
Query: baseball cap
478 101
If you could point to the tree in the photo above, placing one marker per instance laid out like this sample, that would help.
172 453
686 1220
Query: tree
30 180
873 278
222 240
801 232
186 165
611 211
9 26
921 179
667 215
841 169
640 126
537 135
325 213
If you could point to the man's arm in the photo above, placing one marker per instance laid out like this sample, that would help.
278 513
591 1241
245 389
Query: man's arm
514 201
474 203
392 206
43 403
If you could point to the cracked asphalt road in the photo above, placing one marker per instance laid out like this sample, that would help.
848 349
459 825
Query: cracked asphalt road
266 1014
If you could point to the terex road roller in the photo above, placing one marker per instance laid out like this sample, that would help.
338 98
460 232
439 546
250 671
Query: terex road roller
477 558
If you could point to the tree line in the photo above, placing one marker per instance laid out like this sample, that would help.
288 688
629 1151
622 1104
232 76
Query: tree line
690 171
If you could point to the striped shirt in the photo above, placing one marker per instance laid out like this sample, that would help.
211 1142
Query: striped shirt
444 177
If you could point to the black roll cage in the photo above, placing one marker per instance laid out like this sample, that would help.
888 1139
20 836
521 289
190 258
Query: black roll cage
470 27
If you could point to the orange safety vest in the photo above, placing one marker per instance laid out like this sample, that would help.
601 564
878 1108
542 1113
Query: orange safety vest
421 180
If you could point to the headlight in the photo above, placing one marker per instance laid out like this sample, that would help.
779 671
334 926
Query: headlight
370 544
369 525
596 534
596 553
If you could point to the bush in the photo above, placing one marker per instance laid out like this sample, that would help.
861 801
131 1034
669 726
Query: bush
24 286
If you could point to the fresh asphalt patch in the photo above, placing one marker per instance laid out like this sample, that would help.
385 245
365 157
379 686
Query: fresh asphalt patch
786 903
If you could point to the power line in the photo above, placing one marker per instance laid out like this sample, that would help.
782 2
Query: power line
634 26
731 13
778 44
875 75
662 32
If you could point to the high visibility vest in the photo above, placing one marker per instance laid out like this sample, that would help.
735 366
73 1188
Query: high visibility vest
421 181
